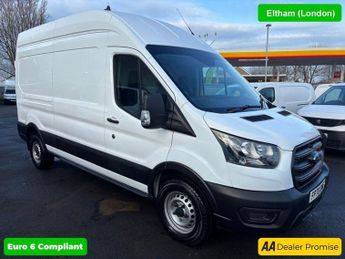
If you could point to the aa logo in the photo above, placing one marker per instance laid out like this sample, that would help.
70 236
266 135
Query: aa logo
293 246
269 246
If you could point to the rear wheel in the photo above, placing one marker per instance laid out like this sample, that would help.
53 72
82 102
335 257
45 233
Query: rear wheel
183 212
40 156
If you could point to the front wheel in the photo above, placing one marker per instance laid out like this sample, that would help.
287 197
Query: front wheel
183 212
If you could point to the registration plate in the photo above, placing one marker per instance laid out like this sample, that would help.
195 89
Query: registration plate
317 191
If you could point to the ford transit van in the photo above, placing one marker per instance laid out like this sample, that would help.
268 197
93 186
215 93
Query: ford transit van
152 108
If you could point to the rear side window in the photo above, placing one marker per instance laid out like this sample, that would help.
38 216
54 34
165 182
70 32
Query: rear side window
133 82
268 93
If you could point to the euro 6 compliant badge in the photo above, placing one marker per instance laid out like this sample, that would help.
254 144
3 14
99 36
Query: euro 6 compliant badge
45 246
320 246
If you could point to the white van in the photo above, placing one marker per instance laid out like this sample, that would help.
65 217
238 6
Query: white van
142 103
288 95
327 113
9 94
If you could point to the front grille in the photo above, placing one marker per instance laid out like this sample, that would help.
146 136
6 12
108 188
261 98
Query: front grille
307 162
324 122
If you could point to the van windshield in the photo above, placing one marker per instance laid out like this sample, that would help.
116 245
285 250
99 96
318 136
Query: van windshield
207 80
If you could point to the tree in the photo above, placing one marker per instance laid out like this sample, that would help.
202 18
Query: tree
312 74
309 74
17 16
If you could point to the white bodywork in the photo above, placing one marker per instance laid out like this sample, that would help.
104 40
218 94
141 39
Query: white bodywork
65 86
289 95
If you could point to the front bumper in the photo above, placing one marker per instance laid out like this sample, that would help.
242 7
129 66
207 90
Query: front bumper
335 139
283 208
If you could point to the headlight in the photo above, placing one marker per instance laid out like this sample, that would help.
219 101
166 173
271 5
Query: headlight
247 152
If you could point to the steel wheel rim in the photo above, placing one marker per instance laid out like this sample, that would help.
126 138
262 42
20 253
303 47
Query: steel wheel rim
36 152
180 212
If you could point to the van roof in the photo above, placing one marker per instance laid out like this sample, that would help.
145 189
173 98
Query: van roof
140 30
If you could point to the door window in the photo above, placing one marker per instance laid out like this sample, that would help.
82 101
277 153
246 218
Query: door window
268 93
127 83
133 82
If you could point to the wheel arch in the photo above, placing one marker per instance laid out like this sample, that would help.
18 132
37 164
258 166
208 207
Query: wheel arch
32 129
174 170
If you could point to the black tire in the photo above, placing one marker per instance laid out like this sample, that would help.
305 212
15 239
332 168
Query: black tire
40 156
200 228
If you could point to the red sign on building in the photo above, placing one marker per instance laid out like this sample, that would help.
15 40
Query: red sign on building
337 74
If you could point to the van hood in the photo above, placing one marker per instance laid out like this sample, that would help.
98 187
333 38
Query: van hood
336 112
286 130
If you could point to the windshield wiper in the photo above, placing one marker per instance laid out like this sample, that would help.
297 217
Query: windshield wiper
243 108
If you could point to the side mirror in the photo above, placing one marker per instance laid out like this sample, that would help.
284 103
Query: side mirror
153 115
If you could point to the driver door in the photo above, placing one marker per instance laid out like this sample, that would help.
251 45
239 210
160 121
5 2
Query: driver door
134 150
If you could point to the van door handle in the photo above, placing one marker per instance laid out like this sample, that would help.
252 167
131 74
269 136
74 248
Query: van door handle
113 120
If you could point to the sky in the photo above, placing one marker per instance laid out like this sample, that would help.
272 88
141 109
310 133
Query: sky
234 21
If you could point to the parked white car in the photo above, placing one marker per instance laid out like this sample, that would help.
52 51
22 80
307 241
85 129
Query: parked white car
9 94
155 110
288 95
327 113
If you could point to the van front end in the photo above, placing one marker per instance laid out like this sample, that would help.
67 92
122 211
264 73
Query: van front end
263 166
276 181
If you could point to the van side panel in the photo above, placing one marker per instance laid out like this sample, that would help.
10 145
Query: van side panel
34 84
294 97
78 80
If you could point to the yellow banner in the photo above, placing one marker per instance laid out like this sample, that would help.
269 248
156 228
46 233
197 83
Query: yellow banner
300 246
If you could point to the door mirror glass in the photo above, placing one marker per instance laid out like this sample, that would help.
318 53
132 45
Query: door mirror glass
153 115
145 118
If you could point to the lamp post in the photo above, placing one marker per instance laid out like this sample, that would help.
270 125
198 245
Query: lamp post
267 38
